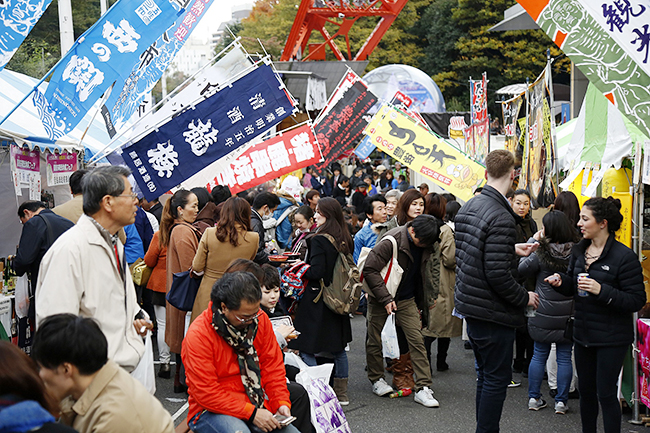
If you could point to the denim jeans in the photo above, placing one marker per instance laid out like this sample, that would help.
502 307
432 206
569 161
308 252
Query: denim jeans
493 346
564 370
209 422
340 363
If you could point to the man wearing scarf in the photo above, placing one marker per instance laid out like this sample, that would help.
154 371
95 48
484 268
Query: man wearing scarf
234 366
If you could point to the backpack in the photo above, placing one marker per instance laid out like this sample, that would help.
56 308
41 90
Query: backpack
342 295
292 286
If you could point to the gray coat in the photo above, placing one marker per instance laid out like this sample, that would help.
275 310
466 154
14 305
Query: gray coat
554 309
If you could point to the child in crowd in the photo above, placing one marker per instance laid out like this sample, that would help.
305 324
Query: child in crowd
270 303
303 220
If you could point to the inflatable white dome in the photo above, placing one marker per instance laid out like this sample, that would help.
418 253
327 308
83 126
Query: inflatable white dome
386 80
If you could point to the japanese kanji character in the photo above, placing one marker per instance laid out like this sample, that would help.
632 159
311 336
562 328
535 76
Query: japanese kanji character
142 170
249 129
399 152
261 163
280 111
239 135
146 177
102 51
200 136
189 20
618 15
227 177
163 159
82 73
644 39
279 156
229 141
123 36
259 123
148 55
257 101
408 158
439 155
270 117
133 154
346 113
243 170
197 8
151 186
302 147
137 162
235 115
180 33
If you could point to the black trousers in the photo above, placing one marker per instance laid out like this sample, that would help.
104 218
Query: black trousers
300 407
598 369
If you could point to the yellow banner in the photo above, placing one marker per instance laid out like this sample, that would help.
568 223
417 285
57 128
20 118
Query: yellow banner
414 146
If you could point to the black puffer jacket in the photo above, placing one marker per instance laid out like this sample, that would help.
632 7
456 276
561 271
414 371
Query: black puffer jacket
606 319
554 309
485 257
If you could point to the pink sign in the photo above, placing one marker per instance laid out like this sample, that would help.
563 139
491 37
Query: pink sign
60 167
24 162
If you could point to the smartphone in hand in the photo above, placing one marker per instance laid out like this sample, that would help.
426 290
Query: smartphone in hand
284 420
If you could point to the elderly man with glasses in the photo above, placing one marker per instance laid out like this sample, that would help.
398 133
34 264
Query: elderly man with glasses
234 365
85 271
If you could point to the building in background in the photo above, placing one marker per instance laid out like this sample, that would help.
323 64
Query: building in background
237 13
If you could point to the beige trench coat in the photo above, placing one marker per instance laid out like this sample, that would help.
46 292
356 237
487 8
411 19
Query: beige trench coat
441 323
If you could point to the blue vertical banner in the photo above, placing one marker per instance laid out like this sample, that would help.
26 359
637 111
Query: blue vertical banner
200 135
128 93
17 18
105 53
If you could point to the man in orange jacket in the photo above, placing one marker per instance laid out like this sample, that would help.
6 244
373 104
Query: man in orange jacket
234 366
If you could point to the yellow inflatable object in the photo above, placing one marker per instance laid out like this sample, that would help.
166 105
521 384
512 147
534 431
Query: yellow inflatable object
624 234
576 187
616 180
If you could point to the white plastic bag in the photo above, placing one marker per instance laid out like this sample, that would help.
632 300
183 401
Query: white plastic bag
292 359
22 296
389 344
392 272
326 413
144 372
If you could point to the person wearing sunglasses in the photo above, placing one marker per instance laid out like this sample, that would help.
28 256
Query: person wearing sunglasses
233 364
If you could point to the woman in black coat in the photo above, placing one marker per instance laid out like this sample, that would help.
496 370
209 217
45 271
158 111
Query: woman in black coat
548 324
322 330
606 280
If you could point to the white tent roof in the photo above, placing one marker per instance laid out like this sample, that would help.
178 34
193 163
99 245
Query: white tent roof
24 125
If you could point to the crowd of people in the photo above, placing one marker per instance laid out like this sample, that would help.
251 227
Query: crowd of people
525 299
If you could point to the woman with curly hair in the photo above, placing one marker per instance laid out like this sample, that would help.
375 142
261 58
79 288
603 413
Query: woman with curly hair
605 279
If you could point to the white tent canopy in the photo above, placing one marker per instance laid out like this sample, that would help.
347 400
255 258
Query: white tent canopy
25 128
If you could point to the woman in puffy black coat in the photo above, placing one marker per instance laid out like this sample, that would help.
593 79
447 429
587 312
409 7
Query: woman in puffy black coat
605 301
547 327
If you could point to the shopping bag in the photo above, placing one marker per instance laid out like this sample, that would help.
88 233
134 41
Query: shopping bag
389 344
144 371
326 413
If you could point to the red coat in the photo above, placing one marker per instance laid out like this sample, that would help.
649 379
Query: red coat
212 370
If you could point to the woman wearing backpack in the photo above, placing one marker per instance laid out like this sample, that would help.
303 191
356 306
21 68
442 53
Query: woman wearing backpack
322 330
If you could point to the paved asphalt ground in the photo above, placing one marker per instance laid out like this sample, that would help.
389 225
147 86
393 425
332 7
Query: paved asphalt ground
455 389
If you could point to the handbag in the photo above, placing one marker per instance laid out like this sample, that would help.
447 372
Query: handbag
140 273
183 291
392 272
293 286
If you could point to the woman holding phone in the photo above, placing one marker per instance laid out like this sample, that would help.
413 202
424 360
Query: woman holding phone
606 280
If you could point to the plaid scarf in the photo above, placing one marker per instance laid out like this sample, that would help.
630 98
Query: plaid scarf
242 343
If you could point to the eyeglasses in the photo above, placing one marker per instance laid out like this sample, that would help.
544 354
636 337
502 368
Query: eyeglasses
133 196
248 319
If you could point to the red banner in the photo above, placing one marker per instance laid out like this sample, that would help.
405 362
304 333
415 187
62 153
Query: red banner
478 90
275 157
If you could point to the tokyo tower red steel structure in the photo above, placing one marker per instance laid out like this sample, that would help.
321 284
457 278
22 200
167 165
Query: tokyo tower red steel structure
314 14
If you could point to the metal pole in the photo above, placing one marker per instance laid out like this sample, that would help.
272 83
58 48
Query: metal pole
65 26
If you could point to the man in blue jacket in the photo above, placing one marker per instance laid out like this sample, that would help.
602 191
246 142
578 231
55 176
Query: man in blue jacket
487 294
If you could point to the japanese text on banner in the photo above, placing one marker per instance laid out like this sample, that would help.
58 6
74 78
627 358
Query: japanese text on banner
60 167
271 159
102 55
18 19
215 127
398 135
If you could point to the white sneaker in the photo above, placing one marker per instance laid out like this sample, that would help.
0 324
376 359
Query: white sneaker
425 398
561 408
381 388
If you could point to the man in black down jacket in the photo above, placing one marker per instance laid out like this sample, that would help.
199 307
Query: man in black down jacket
487 294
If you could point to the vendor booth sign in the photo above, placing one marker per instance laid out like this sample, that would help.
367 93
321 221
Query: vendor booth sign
208 131
414 146
26 171
60 167
271 159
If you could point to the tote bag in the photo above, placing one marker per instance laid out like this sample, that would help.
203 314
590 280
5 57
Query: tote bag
183 291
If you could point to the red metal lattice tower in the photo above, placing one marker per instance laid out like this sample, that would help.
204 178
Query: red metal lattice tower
314 14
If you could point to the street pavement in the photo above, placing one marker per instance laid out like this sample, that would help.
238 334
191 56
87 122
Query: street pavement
455 389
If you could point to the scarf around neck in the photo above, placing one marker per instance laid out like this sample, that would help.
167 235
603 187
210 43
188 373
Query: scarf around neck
242 343
18 416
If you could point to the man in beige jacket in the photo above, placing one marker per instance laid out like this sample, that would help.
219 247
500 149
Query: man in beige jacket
85 273
73 209
96 395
